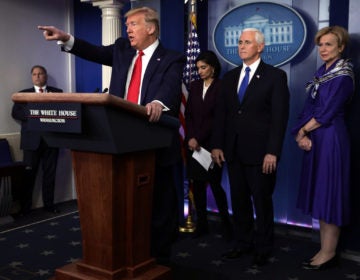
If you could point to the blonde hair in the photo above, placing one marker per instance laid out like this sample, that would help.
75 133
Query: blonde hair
151 16
340 32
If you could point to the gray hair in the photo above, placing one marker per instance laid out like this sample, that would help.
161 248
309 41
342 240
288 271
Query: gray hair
259 36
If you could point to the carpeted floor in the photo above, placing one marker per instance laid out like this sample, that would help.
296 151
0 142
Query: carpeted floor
33 247
203 256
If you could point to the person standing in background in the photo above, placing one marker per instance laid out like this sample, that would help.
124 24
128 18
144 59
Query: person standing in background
321 132
158 89
199 115
35 149
250 123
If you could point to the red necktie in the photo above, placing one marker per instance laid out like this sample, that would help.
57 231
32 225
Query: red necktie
41 90
134 87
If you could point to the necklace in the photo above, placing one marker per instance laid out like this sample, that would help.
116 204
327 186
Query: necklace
208 84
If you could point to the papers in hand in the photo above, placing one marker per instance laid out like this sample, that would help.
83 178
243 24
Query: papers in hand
204 158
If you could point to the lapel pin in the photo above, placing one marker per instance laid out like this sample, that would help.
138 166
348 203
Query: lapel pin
258 76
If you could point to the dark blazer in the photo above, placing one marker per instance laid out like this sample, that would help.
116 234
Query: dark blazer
256 126
162 78
30 140
199 112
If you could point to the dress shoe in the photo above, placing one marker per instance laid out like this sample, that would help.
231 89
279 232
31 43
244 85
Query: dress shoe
227 232
236 254
21 214
164 261
52 209
24 212
200 231
333 262
260 259
306 262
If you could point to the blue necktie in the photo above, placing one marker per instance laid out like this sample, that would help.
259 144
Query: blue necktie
244 84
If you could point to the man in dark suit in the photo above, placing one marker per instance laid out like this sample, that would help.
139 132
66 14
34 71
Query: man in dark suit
249 134
160 91
36 150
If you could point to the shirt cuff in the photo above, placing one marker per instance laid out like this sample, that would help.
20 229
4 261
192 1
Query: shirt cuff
68 45
164 107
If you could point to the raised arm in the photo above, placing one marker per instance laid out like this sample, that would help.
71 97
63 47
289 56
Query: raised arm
51 33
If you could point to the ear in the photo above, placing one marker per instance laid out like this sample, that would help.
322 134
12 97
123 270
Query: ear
341 48
261 47
150 29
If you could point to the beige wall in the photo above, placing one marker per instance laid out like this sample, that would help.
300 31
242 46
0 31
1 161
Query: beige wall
22 46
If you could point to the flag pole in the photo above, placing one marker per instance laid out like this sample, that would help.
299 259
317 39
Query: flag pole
189 226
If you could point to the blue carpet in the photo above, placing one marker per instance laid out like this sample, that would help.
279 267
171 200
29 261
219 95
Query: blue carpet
204 256
34 251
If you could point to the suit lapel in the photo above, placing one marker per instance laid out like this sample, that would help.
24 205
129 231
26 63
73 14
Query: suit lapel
236 80
254 82
154 62
122 73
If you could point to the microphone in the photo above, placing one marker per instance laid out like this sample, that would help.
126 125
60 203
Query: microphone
105 90
97 90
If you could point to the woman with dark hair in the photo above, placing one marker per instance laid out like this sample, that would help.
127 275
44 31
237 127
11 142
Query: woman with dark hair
322 134
199 114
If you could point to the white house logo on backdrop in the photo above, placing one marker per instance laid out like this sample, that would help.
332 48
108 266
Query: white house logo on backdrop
284 30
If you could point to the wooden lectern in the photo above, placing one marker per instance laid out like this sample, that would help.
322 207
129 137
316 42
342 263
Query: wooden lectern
113 158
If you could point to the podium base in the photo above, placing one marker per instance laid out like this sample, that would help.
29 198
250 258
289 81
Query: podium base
72 272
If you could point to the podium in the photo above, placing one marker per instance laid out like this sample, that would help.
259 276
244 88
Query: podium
113 154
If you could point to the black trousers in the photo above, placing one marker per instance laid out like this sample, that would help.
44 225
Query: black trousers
252 190
47 157
200 197
165 222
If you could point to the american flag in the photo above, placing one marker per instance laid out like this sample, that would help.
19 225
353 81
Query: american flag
190 72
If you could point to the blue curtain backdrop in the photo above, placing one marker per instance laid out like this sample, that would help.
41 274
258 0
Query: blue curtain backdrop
87 25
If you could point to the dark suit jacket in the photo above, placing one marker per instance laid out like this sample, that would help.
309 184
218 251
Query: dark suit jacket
256 126
200 113
30 140
162 78
199 117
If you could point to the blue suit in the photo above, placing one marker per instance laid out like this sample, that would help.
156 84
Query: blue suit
161 81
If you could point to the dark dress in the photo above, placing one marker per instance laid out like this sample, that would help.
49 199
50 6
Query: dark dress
324 186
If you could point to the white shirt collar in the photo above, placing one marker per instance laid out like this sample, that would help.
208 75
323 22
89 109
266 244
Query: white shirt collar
252 66
150 49
37 89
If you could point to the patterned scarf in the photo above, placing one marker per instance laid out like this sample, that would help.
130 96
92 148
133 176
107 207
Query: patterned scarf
342 68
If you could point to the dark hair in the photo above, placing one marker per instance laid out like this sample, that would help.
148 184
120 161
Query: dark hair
209 57
38 66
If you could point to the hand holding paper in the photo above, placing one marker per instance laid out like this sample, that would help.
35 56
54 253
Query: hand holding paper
204 158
